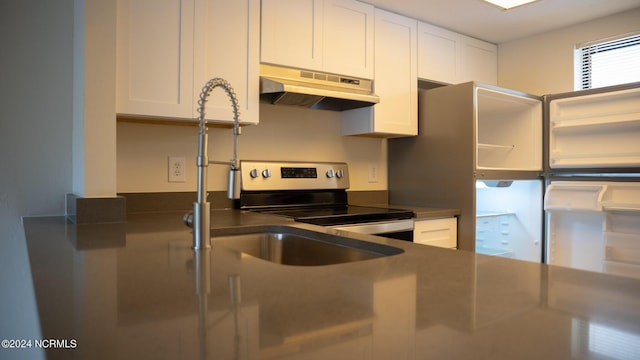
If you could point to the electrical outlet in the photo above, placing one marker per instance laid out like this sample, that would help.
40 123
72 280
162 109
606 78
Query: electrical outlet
373 173
176 169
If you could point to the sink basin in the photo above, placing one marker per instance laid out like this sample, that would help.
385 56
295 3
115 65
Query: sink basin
302 247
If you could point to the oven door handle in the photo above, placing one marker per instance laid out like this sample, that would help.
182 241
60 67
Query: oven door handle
382 227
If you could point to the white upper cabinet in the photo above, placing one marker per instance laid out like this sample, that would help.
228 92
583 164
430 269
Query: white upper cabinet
292 33
333 36
167 50
437 53
228 46
478 61
449 57
155 58
395 82
348 38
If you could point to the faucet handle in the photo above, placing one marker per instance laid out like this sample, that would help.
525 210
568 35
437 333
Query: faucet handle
188 219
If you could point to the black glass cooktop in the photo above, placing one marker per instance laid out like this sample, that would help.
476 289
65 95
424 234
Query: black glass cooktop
349 214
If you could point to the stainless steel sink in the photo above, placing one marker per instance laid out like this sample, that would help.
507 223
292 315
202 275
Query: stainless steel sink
294 246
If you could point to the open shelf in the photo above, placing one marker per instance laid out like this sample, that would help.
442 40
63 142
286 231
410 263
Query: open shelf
596 130
599 123
622 254
495 147
621 247
620 206
625 159
494 252
485 214
509 131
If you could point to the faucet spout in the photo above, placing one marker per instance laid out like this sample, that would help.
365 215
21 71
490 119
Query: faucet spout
202 208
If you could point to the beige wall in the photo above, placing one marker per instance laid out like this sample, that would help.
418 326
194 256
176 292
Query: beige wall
94 83
284 133
543 64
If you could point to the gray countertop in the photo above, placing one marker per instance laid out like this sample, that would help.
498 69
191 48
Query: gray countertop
428 212
421 213
138 291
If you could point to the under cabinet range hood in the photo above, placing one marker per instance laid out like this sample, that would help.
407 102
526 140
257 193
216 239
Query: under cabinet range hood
316 90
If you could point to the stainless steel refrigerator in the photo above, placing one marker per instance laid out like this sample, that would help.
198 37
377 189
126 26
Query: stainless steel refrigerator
511 162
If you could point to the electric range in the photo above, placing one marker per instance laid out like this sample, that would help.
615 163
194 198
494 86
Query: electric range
316 193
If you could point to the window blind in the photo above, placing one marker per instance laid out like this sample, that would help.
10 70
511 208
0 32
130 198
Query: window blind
607 62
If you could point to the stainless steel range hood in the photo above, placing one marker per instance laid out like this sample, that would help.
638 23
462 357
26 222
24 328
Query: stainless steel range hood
316 90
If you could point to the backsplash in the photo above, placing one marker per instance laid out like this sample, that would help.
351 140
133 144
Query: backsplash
284 133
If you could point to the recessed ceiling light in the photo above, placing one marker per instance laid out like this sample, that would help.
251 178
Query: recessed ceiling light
508 4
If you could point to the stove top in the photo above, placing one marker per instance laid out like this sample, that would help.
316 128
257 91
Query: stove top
350 214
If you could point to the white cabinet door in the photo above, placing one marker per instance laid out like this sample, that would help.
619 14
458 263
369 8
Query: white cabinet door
227 46
334 36
155 58
436 232
348 38
167 50
449 57
292 33
436 53
477 61
395 82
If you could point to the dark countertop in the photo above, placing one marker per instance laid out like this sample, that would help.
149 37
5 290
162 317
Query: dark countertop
422 213
136 291
428 212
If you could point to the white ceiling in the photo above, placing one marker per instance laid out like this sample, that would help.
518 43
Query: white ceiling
484 21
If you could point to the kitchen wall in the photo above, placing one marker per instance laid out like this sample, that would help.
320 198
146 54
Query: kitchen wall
543 64
35 146
284 133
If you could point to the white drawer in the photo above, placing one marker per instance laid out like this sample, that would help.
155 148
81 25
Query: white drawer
436 232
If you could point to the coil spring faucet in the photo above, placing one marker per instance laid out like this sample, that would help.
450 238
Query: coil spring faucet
201 218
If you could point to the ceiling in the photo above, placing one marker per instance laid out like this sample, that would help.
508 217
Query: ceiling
490 23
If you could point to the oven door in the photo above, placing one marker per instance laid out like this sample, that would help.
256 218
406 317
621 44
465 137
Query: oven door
395 229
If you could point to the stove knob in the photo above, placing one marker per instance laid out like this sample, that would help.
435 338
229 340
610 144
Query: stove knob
253 173
340 174
330 173
266 173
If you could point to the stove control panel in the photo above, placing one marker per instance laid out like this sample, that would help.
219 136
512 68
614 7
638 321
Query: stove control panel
274 175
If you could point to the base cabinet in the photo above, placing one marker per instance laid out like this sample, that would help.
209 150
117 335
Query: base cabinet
436 232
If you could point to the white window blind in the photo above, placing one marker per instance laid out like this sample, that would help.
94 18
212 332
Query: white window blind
607 62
